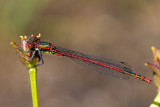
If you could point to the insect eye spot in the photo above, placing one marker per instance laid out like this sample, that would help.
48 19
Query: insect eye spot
30 45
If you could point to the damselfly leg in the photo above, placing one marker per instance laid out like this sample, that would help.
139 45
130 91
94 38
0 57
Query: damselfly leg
33 54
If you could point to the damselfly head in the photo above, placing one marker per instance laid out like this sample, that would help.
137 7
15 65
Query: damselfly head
30 46
33 41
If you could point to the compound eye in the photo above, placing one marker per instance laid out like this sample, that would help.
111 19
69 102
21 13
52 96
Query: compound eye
30 45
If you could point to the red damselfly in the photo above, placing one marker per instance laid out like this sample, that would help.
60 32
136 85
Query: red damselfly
102 65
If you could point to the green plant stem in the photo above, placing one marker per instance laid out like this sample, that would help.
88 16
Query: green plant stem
156 102
33 80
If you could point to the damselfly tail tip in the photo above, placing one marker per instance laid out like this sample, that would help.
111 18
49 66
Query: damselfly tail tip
149 81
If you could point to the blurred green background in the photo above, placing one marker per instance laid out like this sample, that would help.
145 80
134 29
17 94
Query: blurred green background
117 29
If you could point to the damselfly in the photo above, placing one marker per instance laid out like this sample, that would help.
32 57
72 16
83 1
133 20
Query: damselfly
102 65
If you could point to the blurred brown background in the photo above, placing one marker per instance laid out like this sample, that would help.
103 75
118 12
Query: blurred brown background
118 29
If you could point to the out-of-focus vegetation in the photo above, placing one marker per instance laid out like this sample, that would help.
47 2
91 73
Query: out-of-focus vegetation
155 67
117 29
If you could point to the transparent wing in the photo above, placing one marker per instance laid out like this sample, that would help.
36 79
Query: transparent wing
98 68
